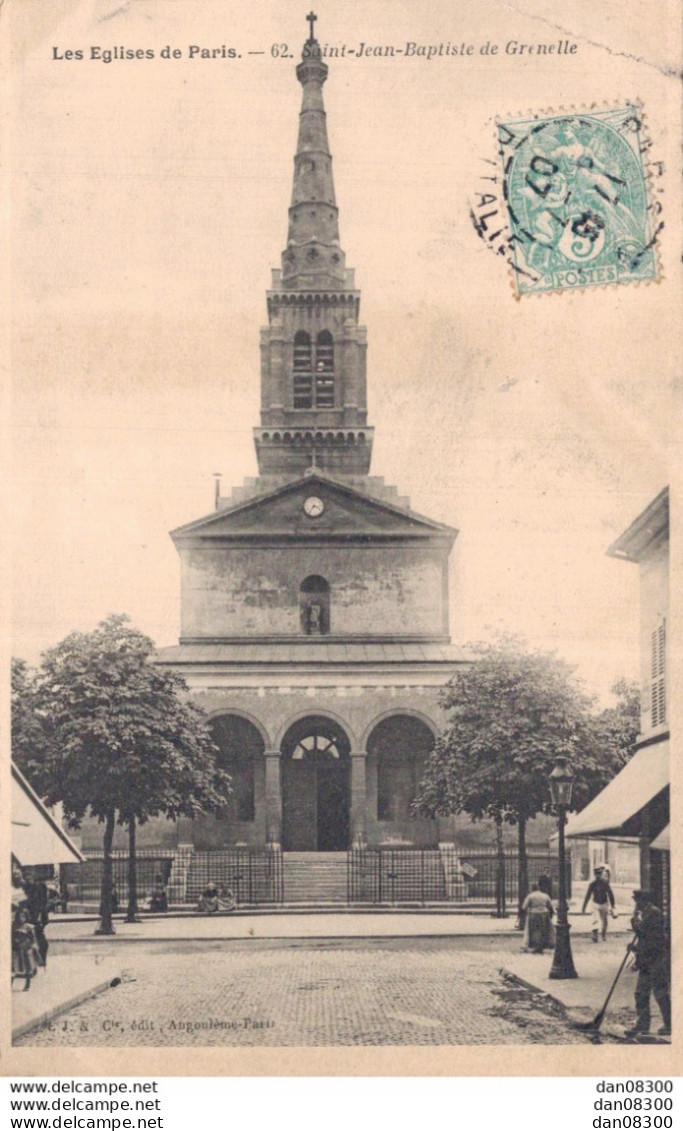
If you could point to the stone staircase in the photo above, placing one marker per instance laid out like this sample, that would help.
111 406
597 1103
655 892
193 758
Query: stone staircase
314 877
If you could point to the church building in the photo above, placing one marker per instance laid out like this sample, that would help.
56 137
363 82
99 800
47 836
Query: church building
315 603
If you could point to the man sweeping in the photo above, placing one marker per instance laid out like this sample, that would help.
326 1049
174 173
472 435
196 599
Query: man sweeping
653 963
601 898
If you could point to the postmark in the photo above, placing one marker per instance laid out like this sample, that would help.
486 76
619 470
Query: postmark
575 192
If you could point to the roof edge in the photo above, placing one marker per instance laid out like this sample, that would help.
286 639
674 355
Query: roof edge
44 811
190 528
643 531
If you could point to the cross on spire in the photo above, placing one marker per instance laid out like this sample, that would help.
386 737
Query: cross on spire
311 17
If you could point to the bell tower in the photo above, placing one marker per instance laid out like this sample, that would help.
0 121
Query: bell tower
313 350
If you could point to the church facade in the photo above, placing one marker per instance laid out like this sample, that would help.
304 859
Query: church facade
315 602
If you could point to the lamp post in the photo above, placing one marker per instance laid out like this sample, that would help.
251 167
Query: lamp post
561 782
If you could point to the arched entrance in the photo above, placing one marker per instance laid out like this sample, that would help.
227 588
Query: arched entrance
316 787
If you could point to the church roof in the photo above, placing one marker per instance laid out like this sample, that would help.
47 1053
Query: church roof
350 512
291 653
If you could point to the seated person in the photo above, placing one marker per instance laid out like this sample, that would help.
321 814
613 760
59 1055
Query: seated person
208 900
158 900
215 898
226 899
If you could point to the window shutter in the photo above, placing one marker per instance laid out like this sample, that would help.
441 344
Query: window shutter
658 675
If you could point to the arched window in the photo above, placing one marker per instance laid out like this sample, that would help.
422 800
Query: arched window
239 744
315 744
314 606
303 370
401 745
324 370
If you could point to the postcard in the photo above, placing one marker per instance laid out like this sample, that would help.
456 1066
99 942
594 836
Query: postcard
344 348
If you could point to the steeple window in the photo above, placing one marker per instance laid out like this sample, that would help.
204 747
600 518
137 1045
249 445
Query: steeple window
324 370
313 375
303 366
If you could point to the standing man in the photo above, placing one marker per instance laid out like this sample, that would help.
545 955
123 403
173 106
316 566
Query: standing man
653 963
37 904
602 899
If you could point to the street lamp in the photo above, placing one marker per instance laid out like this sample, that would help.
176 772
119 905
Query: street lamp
561 782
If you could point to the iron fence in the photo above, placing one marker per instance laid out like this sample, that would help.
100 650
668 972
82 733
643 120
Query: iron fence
483 871
435 875
82 883
387 875
252 875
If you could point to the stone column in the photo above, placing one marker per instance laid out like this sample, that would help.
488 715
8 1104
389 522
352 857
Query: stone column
273 796
358 795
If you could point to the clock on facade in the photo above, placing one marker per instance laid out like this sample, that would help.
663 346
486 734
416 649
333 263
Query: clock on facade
313 506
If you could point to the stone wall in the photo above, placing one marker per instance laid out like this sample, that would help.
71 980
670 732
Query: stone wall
254 591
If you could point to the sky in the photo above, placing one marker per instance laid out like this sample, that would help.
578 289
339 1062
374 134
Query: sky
149 202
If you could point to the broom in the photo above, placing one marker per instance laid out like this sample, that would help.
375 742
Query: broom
594 1025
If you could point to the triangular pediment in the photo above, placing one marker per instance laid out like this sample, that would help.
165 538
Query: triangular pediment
314 506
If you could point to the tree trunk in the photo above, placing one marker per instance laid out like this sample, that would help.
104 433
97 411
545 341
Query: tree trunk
132 910
501 911
106 926
522 871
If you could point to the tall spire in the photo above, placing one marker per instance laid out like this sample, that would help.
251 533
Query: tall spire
313 350
313 256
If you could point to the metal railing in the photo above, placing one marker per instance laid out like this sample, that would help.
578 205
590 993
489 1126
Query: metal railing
253 875
435 875
84 881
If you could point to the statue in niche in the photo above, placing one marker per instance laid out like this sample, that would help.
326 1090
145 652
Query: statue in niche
314 625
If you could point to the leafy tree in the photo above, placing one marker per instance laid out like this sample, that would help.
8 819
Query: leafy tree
124 742
510 715
619 726
29 740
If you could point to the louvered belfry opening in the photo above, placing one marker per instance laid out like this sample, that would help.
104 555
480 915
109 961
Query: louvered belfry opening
303 370
324 370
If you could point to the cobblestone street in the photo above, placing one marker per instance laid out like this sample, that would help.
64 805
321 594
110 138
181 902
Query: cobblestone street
352 992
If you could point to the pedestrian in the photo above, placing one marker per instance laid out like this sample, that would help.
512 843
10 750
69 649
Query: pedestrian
538 909
545 884
158 900
601 898
64 894
37 900
653 963
25 952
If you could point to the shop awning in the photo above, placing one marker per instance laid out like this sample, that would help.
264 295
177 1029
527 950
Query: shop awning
36 836
663 841
616 809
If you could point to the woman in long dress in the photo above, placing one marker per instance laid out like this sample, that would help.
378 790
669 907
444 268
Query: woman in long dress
539 910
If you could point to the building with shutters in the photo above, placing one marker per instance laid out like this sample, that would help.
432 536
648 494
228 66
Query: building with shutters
633 809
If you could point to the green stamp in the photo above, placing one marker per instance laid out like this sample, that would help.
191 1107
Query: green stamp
575 188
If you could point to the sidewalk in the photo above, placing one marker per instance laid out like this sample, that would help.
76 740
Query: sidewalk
583 997
66 982
246 925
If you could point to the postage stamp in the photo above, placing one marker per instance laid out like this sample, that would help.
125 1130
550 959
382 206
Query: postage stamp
576 192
